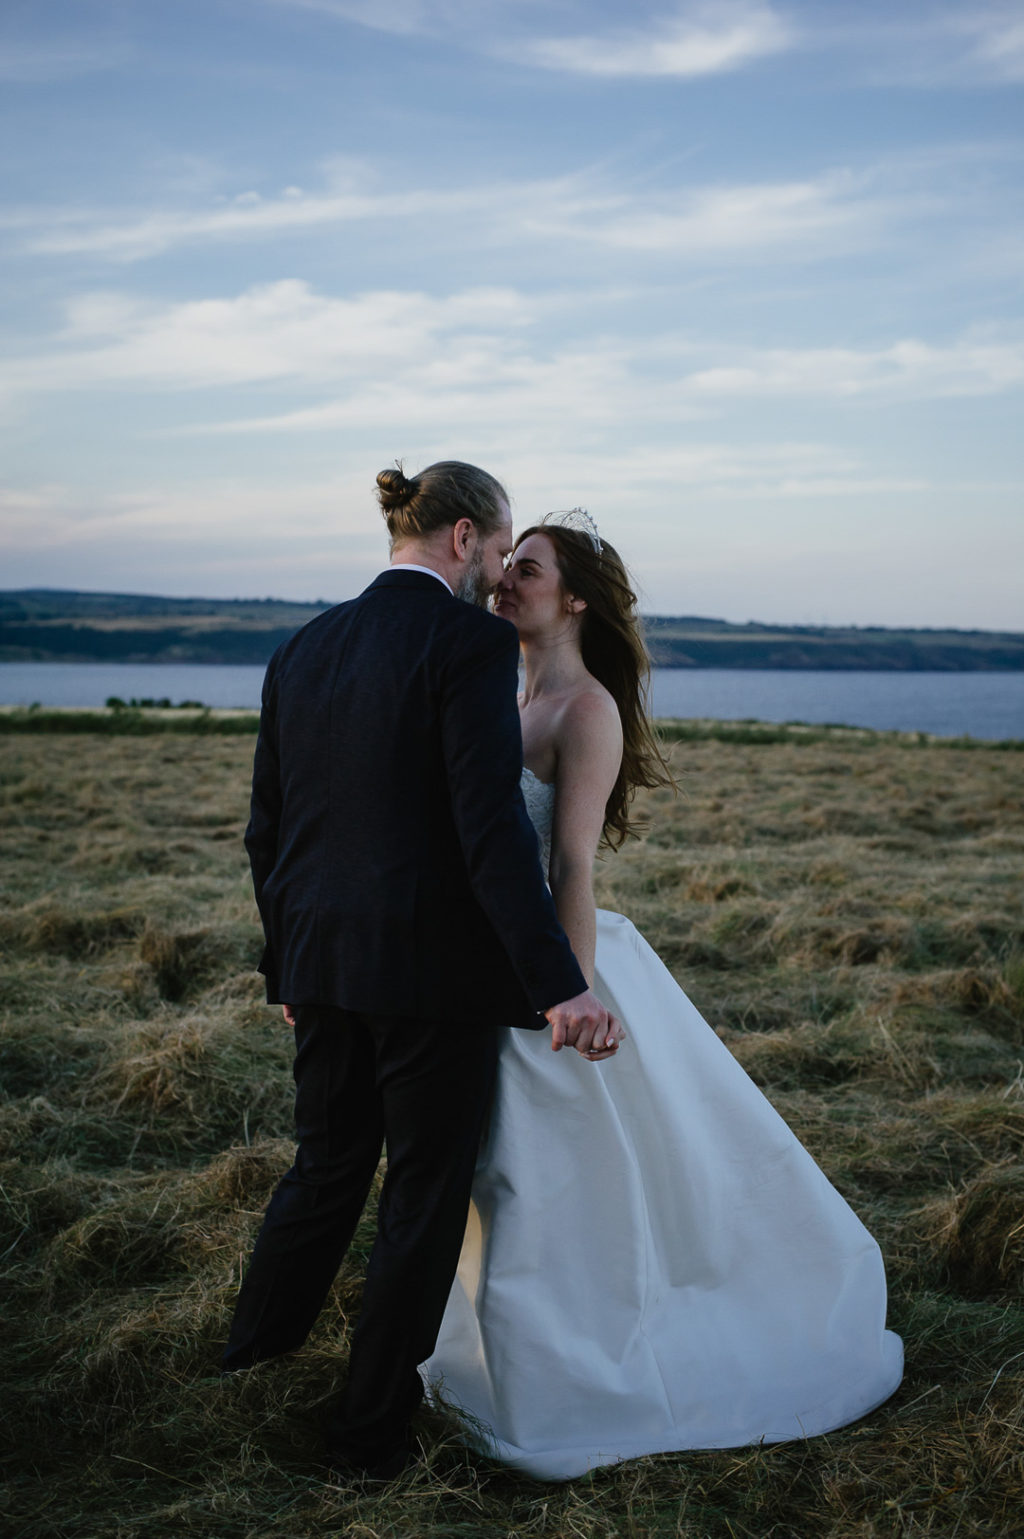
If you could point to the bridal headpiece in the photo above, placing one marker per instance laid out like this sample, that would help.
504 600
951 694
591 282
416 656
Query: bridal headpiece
580 522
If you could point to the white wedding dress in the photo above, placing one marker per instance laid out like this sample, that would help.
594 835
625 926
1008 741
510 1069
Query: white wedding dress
653 1261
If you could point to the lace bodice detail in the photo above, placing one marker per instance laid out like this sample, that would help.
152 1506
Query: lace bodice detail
539 797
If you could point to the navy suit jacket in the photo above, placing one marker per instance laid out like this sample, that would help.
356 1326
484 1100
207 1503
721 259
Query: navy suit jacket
395 867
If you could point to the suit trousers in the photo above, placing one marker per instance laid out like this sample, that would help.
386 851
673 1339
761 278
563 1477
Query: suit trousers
363 1081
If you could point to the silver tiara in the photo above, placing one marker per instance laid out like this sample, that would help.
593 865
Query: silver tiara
579 521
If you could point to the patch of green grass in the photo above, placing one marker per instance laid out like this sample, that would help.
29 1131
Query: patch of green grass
806 734
127 721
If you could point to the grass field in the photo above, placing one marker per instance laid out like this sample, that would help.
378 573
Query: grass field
845 909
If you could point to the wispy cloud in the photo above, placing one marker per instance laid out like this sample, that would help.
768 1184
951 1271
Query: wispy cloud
280 331
996 42
594 209
746 219
65 515
688 39
938 47
909 369
480 356
592 390
691 41
637 480
247 216
486 359
231 510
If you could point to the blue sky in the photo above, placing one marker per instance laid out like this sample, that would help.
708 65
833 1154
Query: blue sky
742 278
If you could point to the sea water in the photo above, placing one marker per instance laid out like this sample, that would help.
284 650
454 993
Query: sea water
982 705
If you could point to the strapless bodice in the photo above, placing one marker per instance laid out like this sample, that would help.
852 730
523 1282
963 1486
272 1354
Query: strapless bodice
539 797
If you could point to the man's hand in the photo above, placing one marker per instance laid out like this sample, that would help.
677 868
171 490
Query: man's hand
585 1024
288 1011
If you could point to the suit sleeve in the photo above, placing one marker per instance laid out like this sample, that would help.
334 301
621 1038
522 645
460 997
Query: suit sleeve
483 752
261 835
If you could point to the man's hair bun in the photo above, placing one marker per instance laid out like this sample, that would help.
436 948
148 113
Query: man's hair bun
415 506
395 490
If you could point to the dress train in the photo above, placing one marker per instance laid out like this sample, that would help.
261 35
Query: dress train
653 1261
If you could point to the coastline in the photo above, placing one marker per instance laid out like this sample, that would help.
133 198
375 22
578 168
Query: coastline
234 720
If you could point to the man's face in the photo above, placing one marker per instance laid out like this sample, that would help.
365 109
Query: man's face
486 565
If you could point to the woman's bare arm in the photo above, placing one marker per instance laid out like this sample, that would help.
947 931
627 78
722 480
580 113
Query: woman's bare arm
589 750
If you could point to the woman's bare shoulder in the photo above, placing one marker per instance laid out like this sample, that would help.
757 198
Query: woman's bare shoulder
591 703
590 719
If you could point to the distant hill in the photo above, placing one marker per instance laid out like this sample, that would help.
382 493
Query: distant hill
691 642
54 625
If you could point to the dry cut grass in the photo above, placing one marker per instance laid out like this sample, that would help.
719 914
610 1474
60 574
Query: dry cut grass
848 915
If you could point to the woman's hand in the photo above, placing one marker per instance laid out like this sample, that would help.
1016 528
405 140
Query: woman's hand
585 1024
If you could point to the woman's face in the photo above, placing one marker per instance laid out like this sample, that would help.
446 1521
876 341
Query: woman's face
531 593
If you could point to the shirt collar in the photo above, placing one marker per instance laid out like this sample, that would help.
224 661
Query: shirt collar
411 566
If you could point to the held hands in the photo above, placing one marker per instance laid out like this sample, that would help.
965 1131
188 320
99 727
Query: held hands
585 1024
582 1023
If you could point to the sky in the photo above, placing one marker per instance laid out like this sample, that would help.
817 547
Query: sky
741 278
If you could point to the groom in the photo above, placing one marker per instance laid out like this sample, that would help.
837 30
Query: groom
407 921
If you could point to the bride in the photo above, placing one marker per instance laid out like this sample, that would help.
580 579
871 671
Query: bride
653 1262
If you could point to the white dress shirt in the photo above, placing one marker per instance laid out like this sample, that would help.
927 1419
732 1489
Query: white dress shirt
410 566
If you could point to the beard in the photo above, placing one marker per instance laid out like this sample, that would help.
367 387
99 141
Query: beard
473 587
